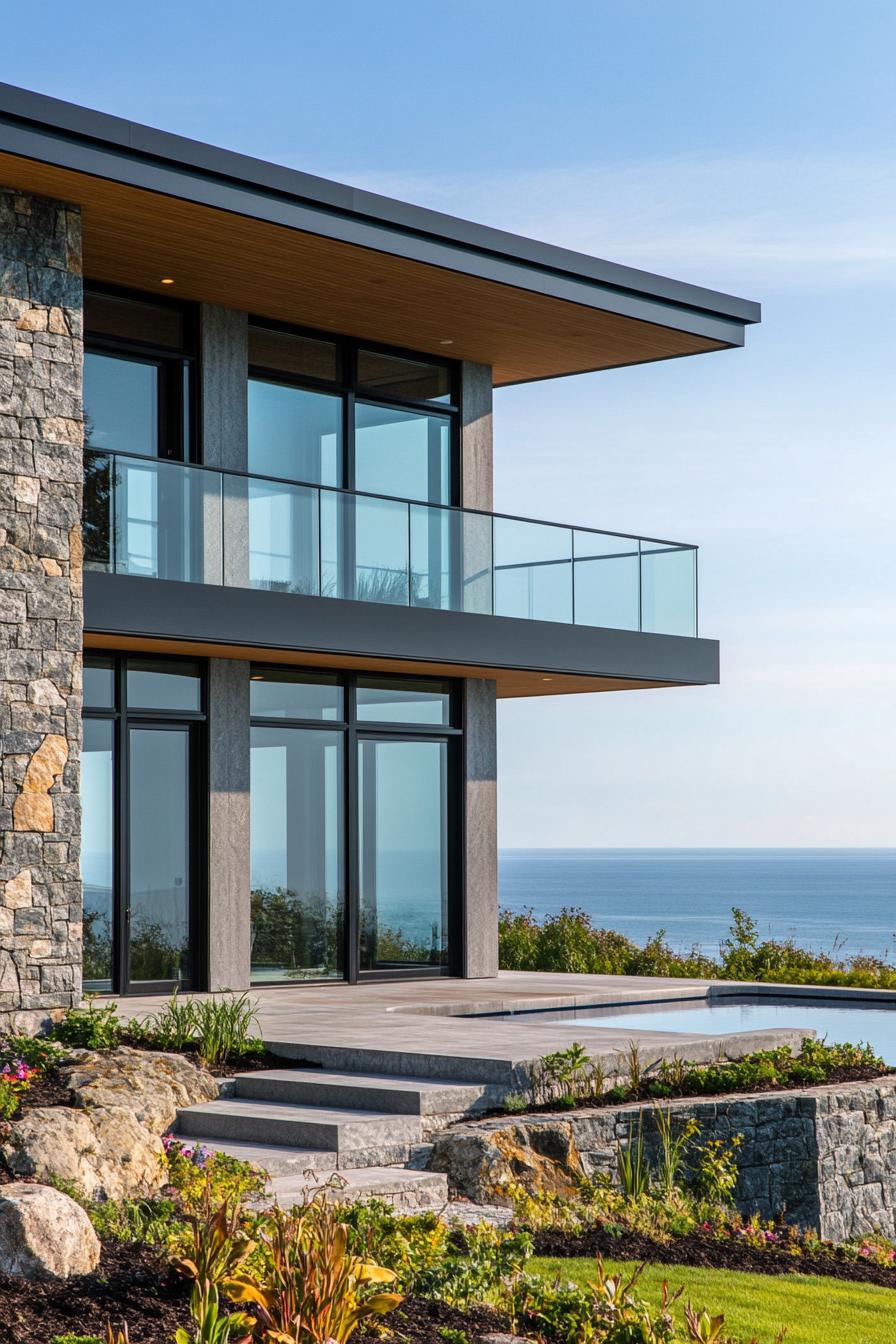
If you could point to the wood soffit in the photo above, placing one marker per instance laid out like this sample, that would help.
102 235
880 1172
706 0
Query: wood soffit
511 683
133 237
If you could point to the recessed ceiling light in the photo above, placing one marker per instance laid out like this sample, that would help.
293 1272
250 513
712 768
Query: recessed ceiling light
547 678
166 280
446 342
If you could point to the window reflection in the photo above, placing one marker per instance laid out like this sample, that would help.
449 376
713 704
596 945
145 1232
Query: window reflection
97 862
403 453
403 854
294 434
121 404
297 876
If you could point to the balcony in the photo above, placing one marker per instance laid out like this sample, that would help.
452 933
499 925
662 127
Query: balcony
504 586
165 520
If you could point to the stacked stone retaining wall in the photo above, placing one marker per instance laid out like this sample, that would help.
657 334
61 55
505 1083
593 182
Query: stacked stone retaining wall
822 1157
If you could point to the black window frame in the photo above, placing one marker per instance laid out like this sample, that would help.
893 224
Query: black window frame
123 716
347 386
354 731
178 434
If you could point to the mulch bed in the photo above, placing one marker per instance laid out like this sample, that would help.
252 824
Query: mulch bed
132 1284
419 1322
699 1250
644 1095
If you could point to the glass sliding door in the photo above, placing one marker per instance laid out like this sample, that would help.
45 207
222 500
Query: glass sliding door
98 853
353 784
159 857
402 853
142 828
297 849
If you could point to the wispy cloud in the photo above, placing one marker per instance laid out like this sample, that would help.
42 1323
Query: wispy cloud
819 221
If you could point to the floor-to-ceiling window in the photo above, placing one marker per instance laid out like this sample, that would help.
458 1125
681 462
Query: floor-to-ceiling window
353 810
332 416
142 822
141 508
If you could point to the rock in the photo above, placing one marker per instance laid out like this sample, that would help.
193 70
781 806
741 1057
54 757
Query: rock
106 1153
482 1160
151 1085
44 1234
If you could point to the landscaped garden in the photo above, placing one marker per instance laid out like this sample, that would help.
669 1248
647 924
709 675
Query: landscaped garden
160 1241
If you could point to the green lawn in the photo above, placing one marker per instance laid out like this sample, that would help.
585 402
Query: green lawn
814 1310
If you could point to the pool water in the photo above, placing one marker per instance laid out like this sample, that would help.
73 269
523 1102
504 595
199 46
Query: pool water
838 1020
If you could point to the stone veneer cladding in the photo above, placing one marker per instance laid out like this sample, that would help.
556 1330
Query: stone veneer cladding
41 618
822 1157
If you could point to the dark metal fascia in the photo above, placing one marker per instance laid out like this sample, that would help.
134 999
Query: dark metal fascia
48 130
125 605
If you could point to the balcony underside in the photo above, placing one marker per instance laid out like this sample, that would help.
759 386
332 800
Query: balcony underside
127 612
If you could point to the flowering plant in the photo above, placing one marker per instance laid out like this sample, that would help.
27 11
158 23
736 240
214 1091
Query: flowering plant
15 1079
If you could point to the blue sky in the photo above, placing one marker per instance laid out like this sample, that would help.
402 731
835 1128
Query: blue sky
748 147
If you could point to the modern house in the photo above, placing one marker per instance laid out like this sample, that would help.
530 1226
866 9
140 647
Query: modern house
246 475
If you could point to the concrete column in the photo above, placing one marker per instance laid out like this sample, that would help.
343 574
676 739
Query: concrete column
481 831
228 825
480 735
41 613
224 366
477 454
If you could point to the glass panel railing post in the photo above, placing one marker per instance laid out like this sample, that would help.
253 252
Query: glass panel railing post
640 586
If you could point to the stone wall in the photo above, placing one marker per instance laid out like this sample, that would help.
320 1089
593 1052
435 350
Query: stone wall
41 472
824 1157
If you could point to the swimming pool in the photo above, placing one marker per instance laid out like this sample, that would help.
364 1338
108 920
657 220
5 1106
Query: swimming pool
837 1019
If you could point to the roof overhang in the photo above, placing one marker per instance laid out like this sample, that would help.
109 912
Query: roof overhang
246 234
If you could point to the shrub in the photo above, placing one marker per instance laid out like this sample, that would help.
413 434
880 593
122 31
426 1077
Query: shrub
569 941
569 1078
37 1051
199 1177
147 1221
90 1028
456 1265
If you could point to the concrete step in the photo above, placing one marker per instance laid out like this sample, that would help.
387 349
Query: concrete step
274 1158
407 1190
503 1073
297 1174
367 1091
357 1138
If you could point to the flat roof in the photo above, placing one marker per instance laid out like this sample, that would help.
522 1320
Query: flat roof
236 230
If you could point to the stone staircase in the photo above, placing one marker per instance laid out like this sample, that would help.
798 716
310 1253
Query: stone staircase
368 1134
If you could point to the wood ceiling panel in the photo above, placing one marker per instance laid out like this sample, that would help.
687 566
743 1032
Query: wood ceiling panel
511 683
134 237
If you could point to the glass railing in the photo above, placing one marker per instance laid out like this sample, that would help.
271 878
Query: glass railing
168 520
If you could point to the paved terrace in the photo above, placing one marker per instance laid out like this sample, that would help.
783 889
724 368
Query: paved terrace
425 1027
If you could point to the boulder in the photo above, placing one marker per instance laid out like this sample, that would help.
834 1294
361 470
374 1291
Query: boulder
482 1160
153 1086
106 1153
44 1234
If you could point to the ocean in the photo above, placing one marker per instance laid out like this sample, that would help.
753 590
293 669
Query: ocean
826 899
